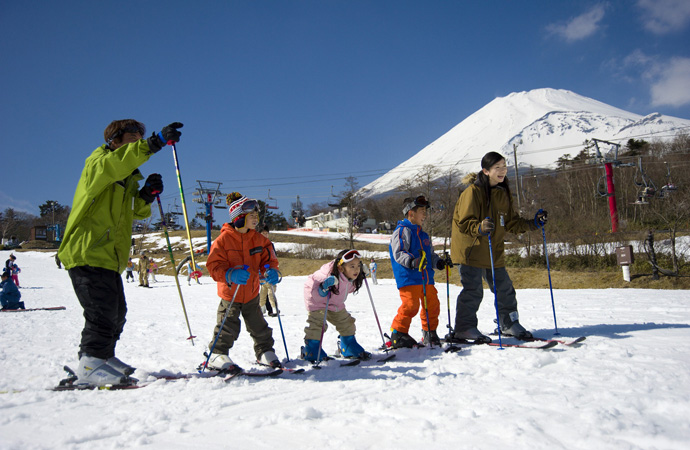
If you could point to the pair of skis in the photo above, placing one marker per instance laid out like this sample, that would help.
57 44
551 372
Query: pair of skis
541 343
350 362
51 308
69 384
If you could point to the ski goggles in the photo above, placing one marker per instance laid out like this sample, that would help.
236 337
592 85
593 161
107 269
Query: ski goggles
250 205
419 201
129 129
349 256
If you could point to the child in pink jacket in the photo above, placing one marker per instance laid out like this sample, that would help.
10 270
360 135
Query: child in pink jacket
330 286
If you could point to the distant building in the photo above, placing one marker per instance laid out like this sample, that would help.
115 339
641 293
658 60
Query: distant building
338 221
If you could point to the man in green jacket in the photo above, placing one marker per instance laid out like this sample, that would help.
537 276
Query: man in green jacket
95 248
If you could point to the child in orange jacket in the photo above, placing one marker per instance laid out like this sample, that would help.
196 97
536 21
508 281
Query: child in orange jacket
239 258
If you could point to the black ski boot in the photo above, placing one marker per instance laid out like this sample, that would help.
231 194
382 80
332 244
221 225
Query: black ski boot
430 338
402 340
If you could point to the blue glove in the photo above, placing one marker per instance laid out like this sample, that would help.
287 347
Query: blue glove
540 218
237 276
272 276
327 283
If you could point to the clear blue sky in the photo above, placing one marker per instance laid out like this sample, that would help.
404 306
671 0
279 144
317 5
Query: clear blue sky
297 95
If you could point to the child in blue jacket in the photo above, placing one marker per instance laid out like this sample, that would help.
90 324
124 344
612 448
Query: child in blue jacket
413 260
10 297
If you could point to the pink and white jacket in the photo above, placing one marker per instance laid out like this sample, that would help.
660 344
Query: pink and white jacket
313 300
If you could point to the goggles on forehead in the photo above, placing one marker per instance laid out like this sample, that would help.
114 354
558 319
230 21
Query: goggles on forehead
349 256
419 201
250 205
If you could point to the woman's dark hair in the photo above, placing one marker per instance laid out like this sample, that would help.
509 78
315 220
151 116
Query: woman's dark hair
488 161
336 272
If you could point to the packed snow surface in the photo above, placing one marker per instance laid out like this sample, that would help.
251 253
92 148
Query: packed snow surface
626 387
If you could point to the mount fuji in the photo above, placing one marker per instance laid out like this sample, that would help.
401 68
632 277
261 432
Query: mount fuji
543 124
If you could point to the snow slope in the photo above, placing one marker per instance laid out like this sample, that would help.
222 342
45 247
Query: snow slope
545 124
626 387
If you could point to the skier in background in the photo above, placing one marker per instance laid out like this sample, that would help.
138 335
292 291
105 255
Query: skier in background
143 269
153 268
486 208
13 269
98 236
129 269
190 272
267 291
10 297
372 268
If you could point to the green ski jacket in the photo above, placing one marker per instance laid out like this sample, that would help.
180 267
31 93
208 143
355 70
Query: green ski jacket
105 205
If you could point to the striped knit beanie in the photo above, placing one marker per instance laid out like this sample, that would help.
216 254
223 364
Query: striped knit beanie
235 202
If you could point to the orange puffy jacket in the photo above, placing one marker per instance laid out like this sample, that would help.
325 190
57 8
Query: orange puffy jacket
233 249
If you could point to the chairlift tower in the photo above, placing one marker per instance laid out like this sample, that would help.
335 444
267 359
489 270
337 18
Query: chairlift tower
209 194
609 160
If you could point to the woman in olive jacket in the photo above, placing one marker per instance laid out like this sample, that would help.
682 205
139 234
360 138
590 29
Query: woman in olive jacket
484 208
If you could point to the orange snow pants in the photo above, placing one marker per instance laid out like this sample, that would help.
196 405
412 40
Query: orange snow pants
412 299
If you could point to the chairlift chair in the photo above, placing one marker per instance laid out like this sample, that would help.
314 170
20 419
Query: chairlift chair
641 200
333 201
669 186
647 187
601 187
271 203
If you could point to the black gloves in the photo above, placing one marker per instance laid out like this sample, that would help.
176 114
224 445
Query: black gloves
487 226
444 262
152 187
540 218
169 133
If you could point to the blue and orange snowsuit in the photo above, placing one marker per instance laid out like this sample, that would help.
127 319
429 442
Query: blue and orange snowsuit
407 243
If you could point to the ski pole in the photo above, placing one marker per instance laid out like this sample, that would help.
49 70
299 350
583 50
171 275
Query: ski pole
548 270
222 324
280 322
172 259
323 329
450 329
493 279
371 299
422 268
197 273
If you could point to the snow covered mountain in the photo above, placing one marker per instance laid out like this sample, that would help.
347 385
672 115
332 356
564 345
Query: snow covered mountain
545 124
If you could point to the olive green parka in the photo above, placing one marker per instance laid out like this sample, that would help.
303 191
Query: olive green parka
467 245
106 203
